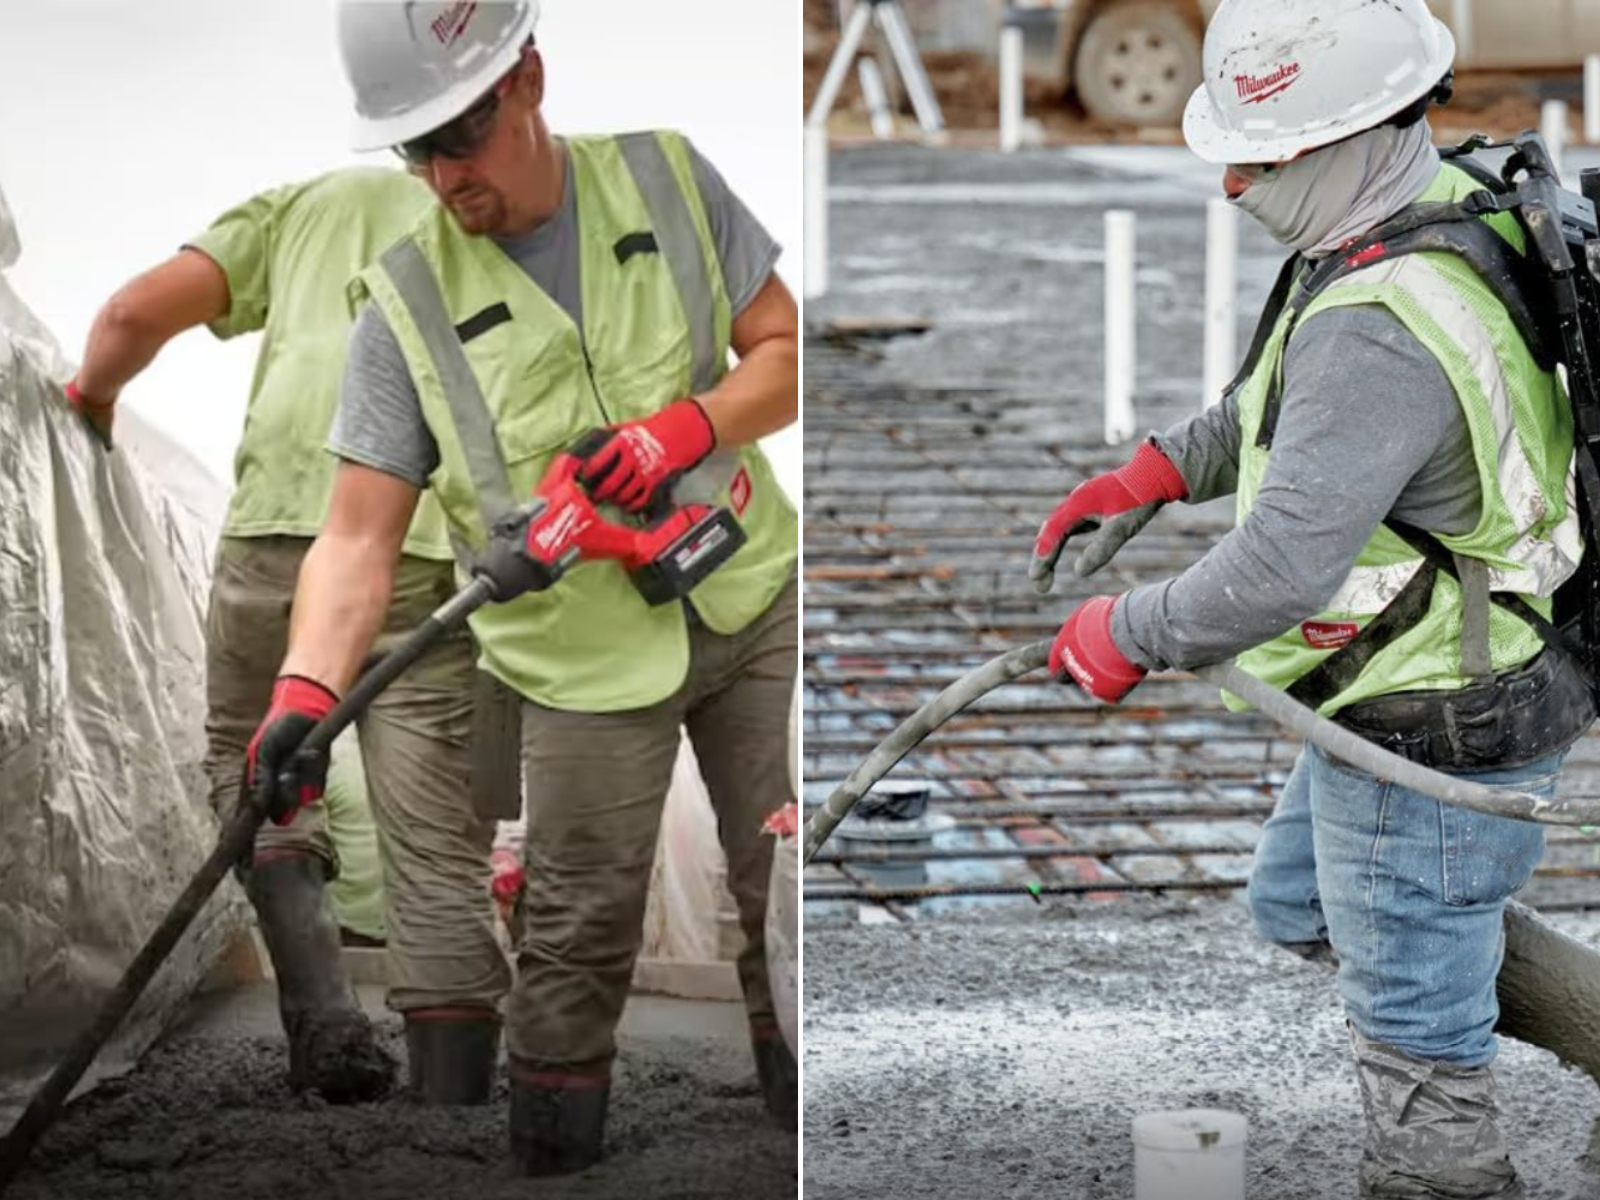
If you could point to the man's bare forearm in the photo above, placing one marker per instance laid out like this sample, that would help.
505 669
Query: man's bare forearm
339 604
147 312
759 396
762 394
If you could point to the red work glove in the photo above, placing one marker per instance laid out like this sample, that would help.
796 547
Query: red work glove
298 704
1084 653
641 457
97 414
1138 488
570 527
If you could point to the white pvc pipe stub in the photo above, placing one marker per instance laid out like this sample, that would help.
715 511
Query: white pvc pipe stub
1221 314
1010 87
1553 128
1591 99
816 212
1193 1154
1119 319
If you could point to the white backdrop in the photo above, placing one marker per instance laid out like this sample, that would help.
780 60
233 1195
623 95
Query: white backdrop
127 125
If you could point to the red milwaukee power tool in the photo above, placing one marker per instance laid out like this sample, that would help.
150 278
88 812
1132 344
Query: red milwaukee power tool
677 547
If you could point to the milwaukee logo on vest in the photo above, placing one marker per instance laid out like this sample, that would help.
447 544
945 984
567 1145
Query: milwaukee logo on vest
1329 635
1253 89
452 22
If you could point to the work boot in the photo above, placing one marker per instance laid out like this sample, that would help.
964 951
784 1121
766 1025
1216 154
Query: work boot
451 1053
558 1120
775 1067
332 1047
1432 1129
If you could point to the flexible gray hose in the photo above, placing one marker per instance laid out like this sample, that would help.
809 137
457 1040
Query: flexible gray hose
1335 739
970 688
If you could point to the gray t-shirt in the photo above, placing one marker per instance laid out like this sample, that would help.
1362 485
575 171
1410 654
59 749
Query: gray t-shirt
1369 426
379 422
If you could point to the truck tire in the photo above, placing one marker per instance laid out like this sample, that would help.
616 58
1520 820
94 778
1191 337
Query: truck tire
1138 61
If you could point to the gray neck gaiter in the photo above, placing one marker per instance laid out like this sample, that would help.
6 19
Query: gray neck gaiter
1324 199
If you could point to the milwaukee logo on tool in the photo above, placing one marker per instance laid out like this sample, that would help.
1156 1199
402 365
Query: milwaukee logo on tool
1253 89
450 24
1328 635
564 527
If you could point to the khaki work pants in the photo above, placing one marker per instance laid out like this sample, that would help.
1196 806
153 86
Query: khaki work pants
417 748
596 783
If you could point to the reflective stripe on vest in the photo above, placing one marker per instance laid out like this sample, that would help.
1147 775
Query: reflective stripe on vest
419 292
679 244
1545 564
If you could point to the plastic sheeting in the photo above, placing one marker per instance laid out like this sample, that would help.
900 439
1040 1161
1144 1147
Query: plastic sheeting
784 904
689 897
103 808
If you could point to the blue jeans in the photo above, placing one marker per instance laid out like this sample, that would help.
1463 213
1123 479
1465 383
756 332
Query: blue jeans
1409 891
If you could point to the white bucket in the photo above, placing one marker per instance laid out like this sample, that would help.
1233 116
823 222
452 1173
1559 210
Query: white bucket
1195 1154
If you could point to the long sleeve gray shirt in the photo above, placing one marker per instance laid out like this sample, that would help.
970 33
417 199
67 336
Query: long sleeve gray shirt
1369 426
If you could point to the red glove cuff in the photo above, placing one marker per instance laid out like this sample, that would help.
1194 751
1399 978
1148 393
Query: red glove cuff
685 426
300 694
1085 651
1149 475
78 401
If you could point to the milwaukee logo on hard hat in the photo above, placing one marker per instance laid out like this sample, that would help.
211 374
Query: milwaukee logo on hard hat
452 22
1253 89
1329 635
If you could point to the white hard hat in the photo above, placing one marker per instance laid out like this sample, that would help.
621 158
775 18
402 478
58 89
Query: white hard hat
415 67
1285 76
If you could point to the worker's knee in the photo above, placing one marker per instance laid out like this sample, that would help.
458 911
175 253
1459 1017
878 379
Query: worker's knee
1284 907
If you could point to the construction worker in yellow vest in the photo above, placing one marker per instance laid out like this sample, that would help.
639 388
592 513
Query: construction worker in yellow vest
1402 466
560 285
278 264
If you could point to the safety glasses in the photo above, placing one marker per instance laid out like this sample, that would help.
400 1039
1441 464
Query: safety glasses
460 138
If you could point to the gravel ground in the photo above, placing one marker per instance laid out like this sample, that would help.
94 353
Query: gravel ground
1008 1056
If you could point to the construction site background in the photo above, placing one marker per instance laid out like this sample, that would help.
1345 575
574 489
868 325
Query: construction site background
958 40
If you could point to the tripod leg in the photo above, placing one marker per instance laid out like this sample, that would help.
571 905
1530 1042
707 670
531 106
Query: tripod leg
839 66
893 23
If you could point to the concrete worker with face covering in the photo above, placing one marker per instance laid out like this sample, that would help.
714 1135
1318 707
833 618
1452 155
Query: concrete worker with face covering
561 285
1402 469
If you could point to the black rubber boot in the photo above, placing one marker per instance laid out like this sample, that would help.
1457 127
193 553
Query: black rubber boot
451 1054
332 1048
558 1121
775 1066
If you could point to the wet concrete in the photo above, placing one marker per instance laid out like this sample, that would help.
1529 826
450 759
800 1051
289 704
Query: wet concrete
1008 1055
208 1116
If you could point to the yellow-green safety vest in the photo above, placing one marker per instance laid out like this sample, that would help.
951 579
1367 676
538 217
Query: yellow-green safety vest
1527 539
506 380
